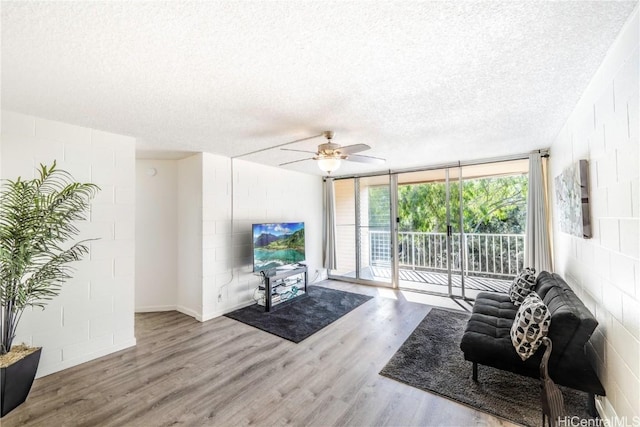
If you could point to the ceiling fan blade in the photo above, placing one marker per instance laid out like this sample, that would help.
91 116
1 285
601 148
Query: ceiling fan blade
276 146
365 159
298 151
295 161
355 148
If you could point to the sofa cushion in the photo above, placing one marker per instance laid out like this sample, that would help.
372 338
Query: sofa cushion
546 281
522 285
496 305
487 335
571 322
530 326
487 339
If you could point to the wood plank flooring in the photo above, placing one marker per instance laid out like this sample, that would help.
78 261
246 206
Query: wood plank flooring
225 373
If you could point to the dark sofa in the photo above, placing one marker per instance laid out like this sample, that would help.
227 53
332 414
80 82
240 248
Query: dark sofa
487 339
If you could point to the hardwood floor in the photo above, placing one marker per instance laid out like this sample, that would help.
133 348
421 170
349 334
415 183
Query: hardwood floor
225 373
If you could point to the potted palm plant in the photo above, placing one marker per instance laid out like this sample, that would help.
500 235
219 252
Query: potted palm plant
38 221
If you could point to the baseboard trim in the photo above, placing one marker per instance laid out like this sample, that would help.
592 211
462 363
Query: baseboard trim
212 314
218 313
189 312
155 308
44 370
605 411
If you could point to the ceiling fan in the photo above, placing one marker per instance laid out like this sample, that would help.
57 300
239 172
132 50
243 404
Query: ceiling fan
330 154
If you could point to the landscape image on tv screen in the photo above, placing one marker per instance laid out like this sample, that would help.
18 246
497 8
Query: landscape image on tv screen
278 244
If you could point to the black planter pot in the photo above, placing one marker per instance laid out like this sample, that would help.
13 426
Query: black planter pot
16 381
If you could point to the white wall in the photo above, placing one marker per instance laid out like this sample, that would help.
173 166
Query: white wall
605 270
190 236
214 265
94 314
156 235
260 194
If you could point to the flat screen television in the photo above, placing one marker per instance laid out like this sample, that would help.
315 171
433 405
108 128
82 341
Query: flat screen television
277 244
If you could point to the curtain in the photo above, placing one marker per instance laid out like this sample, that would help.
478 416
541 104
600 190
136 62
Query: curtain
537 251
329 226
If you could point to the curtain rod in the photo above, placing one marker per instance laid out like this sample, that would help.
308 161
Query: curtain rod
544 152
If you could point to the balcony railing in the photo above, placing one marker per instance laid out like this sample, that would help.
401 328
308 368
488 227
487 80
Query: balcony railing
500 255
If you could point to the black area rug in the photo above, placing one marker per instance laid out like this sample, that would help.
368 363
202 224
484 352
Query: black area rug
431 360
299 319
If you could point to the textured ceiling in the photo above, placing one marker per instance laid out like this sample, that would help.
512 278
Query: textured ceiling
421 82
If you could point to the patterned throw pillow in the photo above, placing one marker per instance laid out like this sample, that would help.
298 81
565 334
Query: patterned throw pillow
522 285
530 326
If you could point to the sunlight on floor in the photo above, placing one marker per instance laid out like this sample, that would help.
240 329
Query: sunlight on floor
438 301
387 293
442 301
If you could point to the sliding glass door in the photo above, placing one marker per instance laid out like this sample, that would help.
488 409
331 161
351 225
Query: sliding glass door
493 213
374 230
452 231
428 230
461 229
363 226
345 211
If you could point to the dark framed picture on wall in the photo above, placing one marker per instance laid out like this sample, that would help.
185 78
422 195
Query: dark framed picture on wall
572 195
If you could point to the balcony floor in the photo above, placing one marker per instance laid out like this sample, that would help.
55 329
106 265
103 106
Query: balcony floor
426 280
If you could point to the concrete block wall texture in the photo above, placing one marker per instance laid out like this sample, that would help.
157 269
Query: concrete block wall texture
605 270
260 194
213 263
94 313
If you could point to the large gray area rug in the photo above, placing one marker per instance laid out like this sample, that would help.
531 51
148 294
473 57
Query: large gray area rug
431 360
303 316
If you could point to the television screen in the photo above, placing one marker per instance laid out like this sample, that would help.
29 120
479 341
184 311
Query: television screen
278 244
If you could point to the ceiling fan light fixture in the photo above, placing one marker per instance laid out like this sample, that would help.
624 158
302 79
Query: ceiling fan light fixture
330 155
329 164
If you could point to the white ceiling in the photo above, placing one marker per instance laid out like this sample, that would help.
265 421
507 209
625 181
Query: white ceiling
421 82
